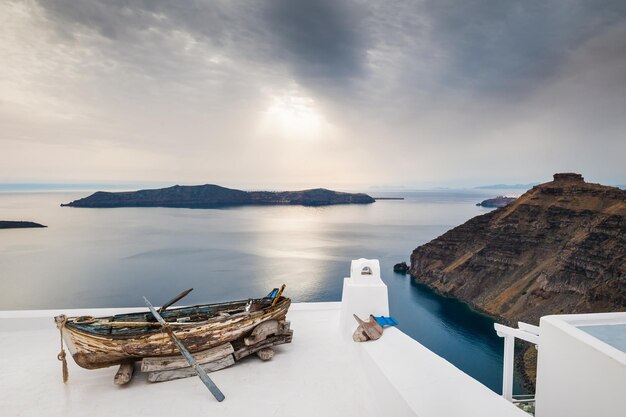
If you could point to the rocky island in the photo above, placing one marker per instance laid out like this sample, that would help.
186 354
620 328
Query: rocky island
499 201
401 268
212 196
9 224
559 248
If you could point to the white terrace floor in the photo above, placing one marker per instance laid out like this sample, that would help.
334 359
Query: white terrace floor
321 373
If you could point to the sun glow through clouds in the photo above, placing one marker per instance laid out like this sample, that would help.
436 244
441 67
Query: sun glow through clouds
295 117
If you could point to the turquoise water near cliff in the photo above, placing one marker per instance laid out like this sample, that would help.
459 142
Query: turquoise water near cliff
113 257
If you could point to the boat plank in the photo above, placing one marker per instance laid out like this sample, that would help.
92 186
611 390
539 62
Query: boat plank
243 351
261 332
266 329
169 375
165 363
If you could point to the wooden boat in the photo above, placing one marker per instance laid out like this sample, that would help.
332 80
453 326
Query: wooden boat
107 341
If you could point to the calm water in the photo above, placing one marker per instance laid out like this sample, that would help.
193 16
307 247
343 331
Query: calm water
112 257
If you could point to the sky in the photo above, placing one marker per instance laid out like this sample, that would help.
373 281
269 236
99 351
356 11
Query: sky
296 94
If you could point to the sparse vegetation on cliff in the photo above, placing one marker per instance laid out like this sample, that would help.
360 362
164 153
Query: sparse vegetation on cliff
559 248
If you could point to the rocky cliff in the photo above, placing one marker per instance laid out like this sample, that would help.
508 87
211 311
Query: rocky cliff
559 248
499 201
209 195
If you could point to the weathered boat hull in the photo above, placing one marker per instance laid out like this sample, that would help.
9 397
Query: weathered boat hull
92 351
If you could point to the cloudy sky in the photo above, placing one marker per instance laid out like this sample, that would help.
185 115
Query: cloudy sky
295 93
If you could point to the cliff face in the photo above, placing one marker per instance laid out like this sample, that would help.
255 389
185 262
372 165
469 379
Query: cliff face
496 202
559 248
207 196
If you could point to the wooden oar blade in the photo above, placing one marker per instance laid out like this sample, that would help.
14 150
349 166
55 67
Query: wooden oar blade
175 299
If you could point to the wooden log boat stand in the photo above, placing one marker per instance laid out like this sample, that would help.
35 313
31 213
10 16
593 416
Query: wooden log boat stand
216 335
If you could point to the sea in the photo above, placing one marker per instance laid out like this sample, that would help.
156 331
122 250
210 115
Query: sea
112 257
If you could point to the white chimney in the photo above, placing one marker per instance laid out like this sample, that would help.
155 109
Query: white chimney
364 293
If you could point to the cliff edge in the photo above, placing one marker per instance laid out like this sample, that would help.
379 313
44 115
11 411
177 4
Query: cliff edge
559 248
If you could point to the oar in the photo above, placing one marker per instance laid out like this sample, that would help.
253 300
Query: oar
175 299
192 362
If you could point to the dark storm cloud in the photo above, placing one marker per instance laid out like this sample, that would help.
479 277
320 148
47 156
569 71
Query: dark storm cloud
441 80
322 39
475 46
119 19
319 41
216 24
506 47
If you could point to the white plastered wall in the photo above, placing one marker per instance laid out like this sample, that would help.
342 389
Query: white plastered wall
364 293
577 374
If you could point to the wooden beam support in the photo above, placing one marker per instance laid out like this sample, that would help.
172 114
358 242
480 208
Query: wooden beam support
261 332
244 351
125 373
169 375
265 354
166 363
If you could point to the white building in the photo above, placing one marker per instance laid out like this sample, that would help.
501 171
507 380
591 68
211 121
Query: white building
582 366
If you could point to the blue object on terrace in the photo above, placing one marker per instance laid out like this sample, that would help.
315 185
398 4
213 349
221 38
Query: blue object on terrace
272 294
386 321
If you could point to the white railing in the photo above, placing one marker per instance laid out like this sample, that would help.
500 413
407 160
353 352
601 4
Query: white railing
526 332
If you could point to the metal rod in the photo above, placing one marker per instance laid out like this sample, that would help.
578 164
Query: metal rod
190 359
